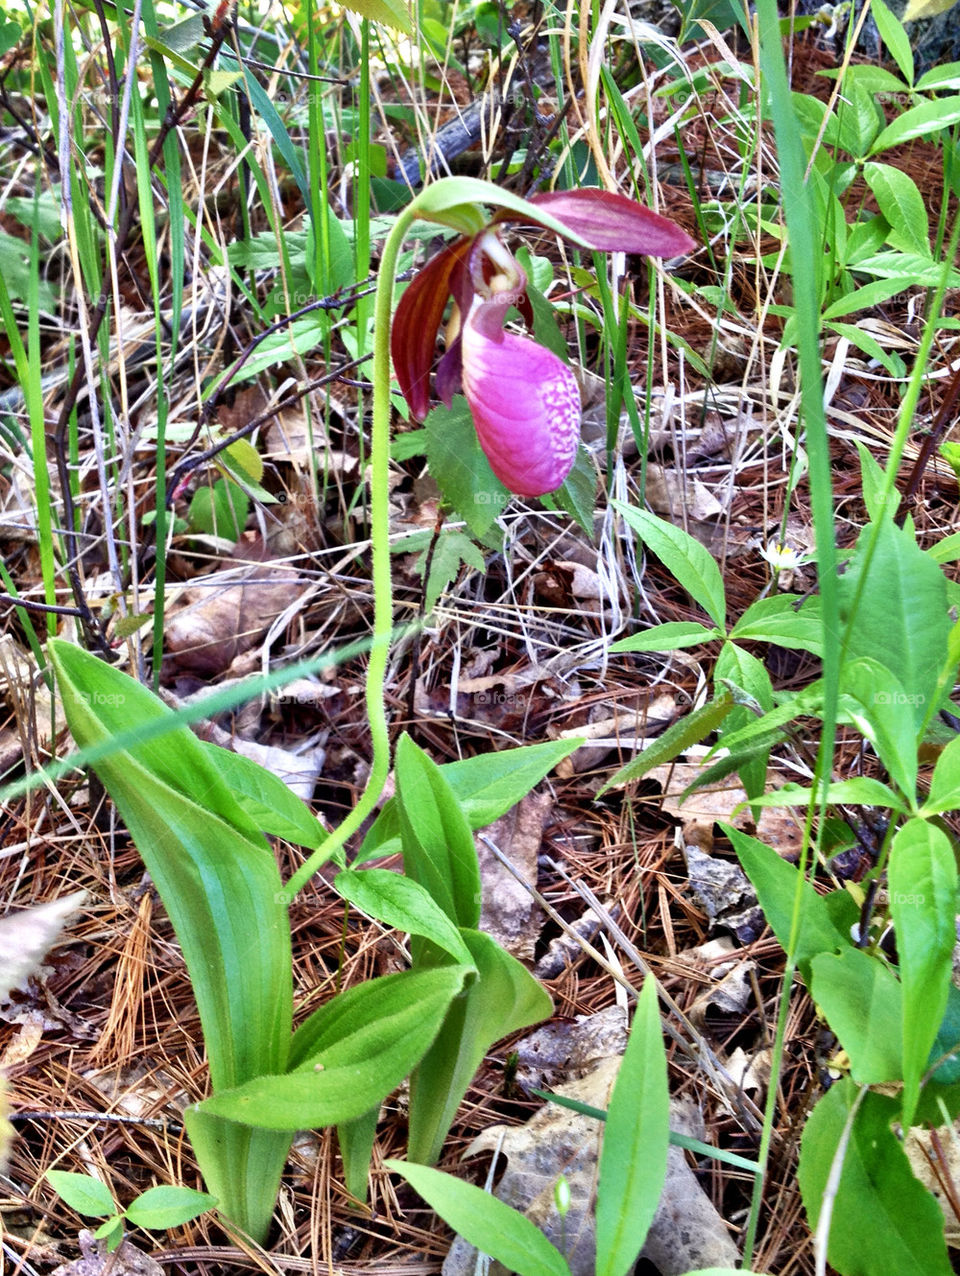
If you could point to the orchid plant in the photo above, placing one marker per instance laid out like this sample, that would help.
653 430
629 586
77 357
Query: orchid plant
198 814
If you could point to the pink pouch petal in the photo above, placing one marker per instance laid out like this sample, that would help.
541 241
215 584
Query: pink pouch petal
525 403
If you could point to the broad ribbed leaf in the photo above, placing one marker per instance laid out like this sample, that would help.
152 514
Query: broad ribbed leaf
693 565
352 1053
404 904
504 998
863 1003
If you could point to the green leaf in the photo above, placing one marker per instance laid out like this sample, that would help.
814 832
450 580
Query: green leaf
875 702
883 1221
689 730
484 1222
356 1140
874 484
692 564
438 850
863 1002
485 786
271 805
577 494
743 675
450 551
111 1232
218 886
894 37
503 998
460 469
902 205
671 636
220 510
389 13
633 1161
349 1055
161 1207
404 904
776 883
784 620
945 785
873 293
859 120
922 879
946 76
862 790
82 1192
241 1167
901 617
920 121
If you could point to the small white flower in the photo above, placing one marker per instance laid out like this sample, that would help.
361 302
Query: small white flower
783 557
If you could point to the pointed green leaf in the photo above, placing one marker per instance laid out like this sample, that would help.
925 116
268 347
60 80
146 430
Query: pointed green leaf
689 730
862 1000
902 205
633 1161
688 560
883 1221
167 1206
873 699
922 879
503 998
945 786
438 850
484 1222
671 636
404 904
269 803
82 1192
919 121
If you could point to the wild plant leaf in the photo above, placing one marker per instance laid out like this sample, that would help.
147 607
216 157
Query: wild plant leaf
776 883
390 13
945 76
451 551
270 804
681 735
633 1162
241 1167
167 1206
671 636
883 1221
922 879
919 121
863 1002
874 485
404 904
438 850
349 1055
902 205
901 618
577 494
784 620
356 1140
485 786
460 468
870 346
218 886
484 1222
874 700
743 675
945 785
859 120
220 510
862 790
693 565
873 293
82 1192
894 37
503 998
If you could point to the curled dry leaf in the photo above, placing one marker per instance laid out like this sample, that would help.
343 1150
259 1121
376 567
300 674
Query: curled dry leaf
670 494
215 625
510 913
126 1260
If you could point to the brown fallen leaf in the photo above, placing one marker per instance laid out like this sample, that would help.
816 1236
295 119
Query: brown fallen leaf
215 625
126 1260
509 912
687 1232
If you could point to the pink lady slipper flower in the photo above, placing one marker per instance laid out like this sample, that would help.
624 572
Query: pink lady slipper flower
524 400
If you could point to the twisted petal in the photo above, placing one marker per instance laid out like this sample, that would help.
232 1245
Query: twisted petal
612 223
413 337
524 400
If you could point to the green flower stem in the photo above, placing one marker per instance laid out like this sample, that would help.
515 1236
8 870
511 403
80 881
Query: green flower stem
380 555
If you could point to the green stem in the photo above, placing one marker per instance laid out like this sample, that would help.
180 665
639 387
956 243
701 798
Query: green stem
380 555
